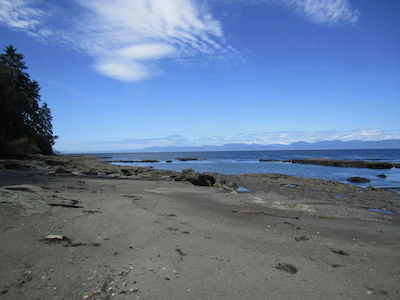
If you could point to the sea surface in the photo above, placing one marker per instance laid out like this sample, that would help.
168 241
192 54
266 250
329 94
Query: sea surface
241 162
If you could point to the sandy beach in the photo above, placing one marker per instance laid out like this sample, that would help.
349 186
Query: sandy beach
77 228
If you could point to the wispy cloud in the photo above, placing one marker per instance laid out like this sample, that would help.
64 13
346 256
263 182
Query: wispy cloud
131 40
21 15
126 39
330 12
326 12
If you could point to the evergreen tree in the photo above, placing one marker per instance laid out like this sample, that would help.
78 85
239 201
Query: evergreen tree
25 125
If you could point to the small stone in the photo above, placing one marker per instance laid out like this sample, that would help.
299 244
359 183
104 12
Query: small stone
167 278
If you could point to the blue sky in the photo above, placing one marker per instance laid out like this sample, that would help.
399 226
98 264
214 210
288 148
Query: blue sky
123 74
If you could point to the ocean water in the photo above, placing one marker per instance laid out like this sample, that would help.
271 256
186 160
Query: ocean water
241 162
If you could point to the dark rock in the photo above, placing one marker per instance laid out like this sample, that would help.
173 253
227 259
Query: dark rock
286 267
345 163
222 183
381 176
55 162
17 166
358 179
61 170
196 178
125 172
199 179
168 161
133 161
340 252
90 172
268 160
187 158
148 161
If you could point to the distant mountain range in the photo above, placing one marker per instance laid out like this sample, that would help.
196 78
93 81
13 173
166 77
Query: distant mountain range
322 145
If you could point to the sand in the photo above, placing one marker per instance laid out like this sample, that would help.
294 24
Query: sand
74 228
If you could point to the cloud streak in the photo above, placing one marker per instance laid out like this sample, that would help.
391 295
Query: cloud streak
327 12
130 40
126 39
20 15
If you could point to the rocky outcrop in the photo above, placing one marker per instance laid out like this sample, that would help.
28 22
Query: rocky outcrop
358 179
207 179
268 160
91 166
188 158
225 184
197 178
133 161
345 163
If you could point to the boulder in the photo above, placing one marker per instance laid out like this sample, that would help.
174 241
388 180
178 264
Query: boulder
225 185
124 172
196 178
358 179
381 176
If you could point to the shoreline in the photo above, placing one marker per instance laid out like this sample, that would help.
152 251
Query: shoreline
79 228
362 173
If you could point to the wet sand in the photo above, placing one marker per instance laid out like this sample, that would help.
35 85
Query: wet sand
148 236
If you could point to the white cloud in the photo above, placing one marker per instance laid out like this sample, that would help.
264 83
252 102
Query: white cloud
128 71
326 12
126 38
123 36
330 12
18 14
147 51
